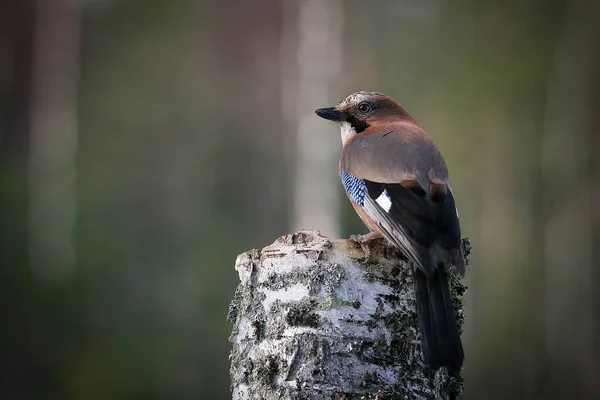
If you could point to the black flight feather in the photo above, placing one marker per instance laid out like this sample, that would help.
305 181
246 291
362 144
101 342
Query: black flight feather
427 229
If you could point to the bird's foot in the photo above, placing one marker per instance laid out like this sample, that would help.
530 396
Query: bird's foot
362 241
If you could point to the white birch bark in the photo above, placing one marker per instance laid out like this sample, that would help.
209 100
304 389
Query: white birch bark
312 322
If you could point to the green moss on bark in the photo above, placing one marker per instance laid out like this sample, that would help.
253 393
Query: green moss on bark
302 314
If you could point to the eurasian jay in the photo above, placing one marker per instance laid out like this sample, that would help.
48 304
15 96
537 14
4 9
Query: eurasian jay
397 181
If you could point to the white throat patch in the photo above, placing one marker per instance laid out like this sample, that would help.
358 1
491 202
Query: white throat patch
347 131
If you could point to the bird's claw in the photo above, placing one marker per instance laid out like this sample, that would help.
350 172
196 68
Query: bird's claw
363 242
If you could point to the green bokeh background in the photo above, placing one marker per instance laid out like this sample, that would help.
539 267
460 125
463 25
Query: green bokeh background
183 161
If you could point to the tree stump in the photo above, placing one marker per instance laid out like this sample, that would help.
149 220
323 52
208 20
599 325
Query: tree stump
314 320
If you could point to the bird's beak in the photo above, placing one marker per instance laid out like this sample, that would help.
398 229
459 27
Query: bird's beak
331 114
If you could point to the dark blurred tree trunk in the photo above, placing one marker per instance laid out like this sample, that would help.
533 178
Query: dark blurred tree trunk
590 368
16 33
593 370
569 162
53 139
35 60
254 143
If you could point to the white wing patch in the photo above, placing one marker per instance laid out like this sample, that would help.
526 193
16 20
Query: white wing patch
384 201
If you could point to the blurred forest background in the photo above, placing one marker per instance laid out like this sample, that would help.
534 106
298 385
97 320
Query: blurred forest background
145 143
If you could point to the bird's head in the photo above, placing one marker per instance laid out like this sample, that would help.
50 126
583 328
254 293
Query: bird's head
361 110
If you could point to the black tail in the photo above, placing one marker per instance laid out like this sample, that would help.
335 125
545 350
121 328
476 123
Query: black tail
440 340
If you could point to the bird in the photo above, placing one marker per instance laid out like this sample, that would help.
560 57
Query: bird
398 183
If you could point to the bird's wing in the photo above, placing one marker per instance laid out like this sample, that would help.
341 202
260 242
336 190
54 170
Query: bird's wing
407 193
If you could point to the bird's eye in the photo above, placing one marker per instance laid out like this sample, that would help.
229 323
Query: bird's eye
364 108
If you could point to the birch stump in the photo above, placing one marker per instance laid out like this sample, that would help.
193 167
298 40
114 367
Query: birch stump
314 319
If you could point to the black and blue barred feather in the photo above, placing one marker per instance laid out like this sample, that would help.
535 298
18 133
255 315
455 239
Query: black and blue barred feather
355 187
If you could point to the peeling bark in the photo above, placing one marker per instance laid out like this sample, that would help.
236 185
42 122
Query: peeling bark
311 321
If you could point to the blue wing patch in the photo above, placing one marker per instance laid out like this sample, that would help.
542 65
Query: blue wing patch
355 187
